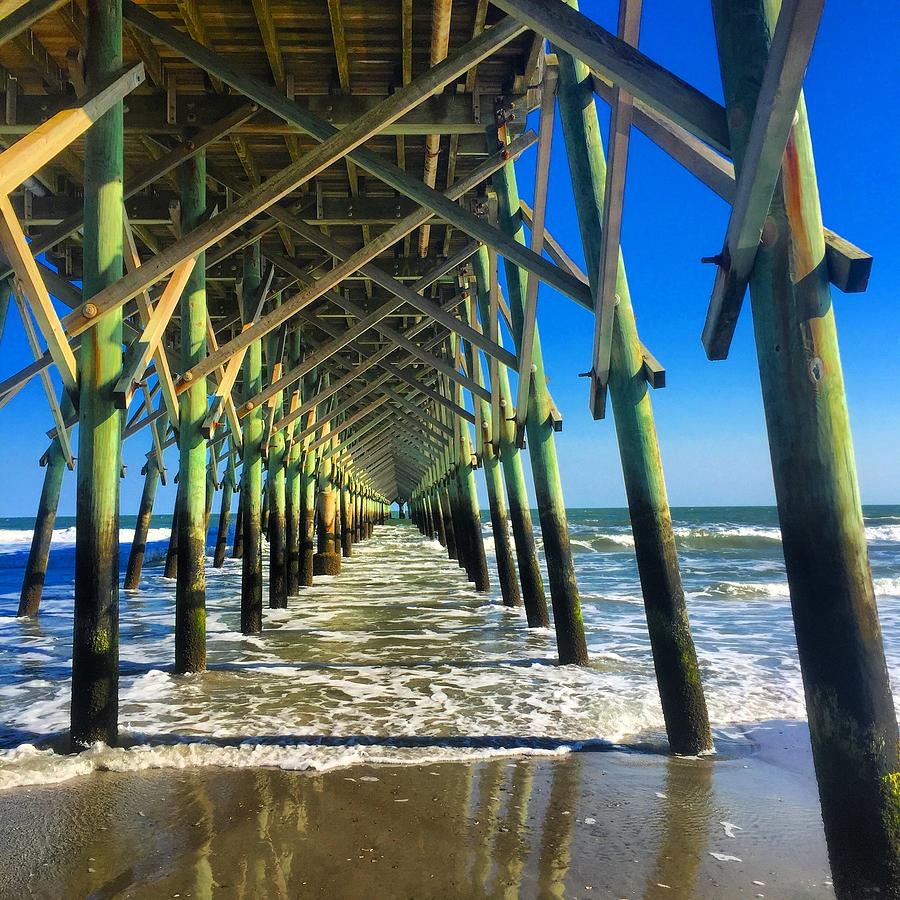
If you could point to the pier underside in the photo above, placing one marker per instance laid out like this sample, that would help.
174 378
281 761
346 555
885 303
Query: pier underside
286 240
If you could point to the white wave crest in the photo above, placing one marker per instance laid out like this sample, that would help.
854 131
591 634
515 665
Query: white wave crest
13 540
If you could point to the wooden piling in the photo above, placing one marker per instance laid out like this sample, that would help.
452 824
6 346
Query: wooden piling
39 554
307 509
190 584
145 514
674 655
292 483
536 612
266 503
447 520
570 640
251 482
170 569
852 720
277 523
567 620
95 644
327 559
470 514
224 518
346 517
237 548
493 478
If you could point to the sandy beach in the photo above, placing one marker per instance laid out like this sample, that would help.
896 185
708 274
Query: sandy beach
623 824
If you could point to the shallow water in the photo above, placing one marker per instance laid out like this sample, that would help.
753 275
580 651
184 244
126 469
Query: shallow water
398 660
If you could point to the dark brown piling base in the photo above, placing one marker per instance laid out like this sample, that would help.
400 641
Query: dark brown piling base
326 564
347 543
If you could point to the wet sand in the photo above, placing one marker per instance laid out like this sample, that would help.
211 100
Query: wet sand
621 824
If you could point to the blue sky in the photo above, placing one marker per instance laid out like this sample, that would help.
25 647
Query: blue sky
709 417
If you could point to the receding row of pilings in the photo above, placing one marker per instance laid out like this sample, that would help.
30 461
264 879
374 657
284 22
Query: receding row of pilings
314 509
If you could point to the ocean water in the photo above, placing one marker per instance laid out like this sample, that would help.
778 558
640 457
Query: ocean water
398 660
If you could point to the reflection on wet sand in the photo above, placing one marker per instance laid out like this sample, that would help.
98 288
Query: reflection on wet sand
685 814
559 822
613 824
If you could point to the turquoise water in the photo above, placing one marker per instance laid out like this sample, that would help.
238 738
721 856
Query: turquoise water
398 660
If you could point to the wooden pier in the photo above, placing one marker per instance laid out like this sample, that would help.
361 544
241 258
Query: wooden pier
272 234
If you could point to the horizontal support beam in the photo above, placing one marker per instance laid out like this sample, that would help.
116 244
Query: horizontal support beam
448 113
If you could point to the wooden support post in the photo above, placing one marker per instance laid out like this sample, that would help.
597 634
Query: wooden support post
307 517
145 512
675 658
292 479
251 483
460 532
224 515
446 512
435 518
567 620
541 444
470 514
38 557
95 644
237 548
277 525
346 517
852 720
493 477
170 570
190 587
327 560
536 611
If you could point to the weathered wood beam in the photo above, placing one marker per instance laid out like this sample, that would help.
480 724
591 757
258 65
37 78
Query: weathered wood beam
364 322
16 249
36 149
449 113
269 34
492 326
148 56
419 353
147 346
849 267
24 16
158 352
156 170
41 62
773 119
331 278
623 65
364 365
372 162
231 371
611 229
341 340
46 381
541 183
405 294
336 16
335 147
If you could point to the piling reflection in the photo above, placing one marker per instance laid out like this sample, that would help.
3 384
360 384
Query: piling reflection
513 842
685 815
558 827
